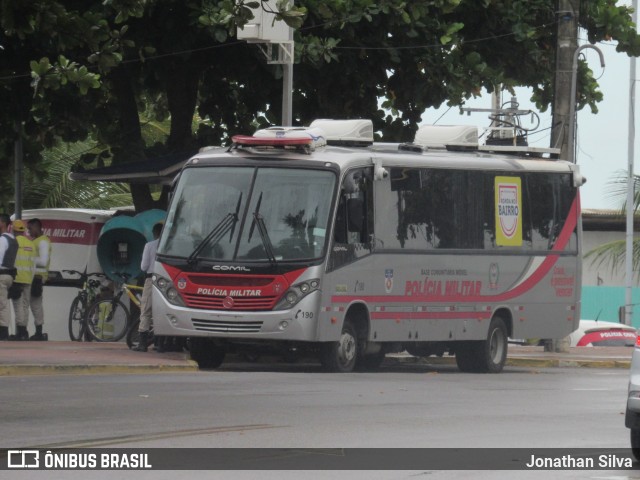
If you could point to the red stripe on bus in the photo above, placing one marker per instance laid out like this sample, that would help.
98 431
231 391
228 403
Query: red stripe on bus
544 268
428 315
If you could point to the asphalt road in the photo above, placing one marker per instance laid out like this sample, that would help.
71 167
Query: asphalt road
299 406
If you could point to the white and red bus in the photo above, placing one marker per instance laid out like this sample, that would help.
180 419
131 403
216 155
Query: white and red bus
354 249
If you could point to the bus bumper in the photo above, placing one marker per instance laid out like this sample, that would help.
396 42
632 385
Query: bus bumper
298 323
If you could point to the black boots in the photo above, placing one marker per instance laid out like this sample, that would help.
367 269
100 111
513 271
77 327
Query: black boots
21 334
142 343
4 333
39 336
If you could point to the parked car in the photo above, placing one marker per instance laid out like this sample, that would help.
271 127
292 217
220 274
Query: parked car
598 333
632 415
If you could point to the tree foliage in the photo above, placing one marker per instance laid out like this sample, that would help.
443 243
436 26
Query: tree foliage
71 69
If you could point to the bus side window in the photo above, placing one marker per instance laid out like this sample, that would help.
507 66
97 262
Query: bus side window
353 229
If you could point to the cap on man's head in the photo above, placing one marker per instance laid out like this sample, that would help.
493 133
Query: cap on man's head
19 226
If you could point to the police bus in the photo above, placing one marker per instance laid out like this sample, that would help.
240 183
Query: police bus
319 240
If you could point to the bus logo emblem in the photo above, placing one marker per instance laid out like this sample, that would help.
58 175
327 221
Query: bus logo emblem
182 283
494 274
388 280
228 302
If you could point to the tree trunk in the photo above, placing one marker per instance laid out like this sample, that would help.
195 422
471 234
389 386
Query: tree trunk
131 147
182 96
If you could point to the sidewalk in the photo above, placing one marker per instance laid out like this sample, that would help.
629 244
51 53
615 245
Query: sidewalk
41 358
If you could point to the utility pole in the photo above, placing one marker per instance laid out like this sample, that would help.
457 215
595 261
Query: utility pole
567 42
628 311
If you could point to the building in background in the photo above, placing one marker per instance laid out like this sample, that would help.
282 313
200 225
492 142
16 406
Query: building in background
603 288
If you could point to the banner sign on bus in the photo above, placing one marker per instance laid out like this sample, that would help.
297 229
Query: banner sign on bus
508 211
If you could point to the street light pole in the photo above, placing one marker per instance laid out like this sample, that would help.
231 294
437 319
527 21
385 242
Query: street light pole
572 109
628 311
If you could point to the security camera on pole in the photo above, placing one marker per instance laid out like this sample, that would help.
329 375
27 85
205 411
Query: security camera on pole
275 39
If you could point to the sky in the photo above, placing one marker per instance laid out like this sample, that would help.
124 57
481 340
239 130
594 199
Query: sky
602 145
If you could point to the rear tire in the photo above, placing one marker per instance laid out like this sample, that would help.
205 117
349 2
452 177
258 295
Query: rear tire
76 319
206 353
107 320
341 356
466 357
486 356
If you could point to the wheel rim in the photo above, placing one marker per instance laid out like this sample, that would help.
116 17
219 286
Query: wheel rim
497 344
347 348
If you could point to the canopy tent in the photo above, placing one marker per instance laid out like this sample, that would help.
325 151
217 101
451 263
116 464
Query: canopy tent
159 170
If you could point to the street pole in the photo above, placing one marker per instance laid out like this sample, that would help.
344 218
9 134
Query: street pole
287 85
18 167
573 121
568 11
287 94
628 311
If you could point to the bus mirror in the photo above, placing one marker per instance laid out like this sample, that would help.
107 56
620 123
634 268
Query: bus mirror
578 178
380 173
354 214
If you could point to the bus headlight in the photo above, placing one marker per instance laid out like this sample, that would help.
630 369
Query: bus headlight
168 290
296 293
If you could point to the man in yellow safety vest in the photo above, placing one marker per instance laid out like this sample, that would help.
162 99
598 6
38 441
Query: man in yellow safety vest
24 276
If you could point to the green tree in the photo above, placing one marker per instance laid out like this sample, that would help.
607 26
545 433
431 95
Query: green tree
78 68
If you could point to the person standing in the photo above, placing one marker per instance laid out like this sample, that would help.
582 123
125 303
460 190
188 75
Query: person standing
146 265
24 277
8 252
42 246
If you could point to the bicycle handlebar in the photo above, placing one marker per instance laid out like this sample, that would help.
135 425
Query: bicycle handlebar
83 274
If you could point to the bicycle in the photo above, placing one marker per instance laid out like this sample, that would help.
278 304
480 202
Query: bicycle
85 297
109 320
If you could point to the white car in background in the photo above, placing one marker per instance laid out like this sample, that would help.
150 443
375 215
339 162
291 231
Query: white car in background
597 333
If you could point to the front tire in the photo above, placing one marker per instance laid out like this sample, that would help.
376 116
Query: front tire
341 356
76 319
368 363
206 353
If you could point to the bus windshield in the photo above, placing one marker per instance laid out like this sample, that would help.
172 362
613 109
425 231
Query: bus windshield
249 214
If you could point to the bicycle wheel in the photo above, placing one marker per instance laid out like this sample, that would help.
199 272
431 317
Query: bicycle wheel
76 319
107 320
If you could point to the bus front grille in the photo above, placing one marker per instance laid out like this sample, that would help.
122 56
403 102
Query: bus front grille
219 326
239 303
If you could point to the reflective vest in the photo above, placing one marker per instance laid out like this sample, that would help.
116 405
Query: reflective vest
24 260
42 271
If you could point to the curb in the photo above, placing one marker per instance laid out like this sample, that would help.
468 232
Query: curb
14 370
522 362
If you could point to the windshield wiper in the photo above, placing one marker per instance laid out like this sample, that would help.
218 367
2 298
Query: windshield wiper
228 223
258 220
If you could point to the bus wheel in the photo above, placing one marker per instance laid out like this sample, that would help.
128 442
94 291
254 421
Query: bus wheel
341 356
370 362
466 357
486 356
493 351
206 353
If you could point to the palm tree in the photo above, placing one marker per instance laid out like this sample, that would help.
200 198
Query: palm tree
613 254
49 185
